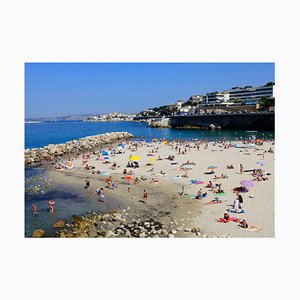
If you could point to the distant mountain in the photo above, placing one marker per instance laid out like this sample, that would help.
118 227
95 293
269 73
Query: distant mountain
64 118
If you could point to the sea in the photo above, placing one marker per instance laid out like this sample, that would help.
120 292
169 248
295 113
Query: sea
39 188
45 133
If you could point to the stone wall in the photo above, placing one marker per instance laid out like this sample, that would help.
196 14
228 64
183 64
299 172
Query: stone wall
244 121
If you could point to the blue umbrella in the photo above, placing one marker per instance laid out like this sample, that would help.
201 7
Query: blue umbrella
212 167
106 157
105 153
261 162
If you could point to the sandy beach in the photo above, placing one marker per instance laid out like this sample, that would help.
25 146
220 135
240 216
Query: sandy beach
183 212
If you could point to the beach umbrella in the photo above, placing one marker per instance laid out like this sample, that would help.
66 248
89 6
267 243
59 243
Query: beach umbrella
212 167
148 141
151 158
128 177
246 183
261 162
134 157
105 153
106 158
69 165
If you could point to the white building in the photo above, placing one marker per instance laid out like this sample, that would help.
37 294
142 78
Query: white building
215 98
250 94
179 103
186 110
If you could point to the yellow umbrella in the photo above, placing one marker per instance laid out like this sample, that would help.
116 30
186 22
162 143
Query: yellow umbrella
134 157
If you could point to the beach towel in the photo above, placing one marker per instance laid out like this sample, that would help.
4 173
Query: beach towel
213 202
196 181
222 220
242 211
219 194
250 228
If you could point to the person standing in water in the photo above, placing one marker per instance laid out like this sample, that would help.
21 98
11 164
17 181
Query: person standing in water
51 205
34 209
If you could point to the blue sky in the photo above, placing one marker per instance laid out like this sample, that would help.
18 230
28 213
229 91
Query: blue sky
60 89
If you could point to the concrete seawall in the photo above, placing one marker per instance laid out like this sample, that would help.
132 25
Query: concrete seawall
247 121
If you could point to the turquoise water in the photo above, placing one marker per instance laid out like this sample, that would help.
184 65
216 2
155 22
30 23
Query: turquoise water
67 203
42 134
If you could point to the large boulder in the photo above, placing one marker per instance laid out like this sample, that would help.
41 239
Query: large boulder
59 224
38 233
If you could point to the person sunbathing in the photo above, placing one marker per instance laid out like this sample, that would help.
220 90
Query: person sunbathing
219 191
230 167
226 218
243 224
185 175
221 176
216 200
241 189
209 185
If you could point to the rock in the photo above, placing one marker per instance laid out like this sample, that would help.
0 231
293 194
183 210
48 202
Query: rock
128 233
173 231
171 236
142 235
59 224
62 234
109 233
164 232
93 232
187 229
101 233
38 233
212 126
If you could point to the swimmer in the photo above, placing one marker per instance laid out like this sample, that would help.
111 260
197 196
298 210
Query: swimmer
51 205
34 210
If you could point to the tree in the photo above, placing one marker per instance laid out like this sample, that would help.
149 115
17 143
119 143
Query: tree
267 102
271 83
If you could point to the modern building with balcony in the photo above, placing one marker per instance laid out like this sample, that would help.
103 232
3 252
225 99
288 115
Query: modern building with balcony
250 94
215 98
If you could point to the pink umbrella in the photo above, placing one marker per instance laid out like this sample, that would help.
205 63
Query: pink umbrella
246 183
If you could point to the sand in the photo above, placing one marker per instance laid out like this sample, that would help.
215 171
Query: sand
164 195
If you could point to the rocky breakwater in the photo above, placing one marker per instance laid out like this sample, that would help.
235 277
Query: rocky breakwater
36 155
